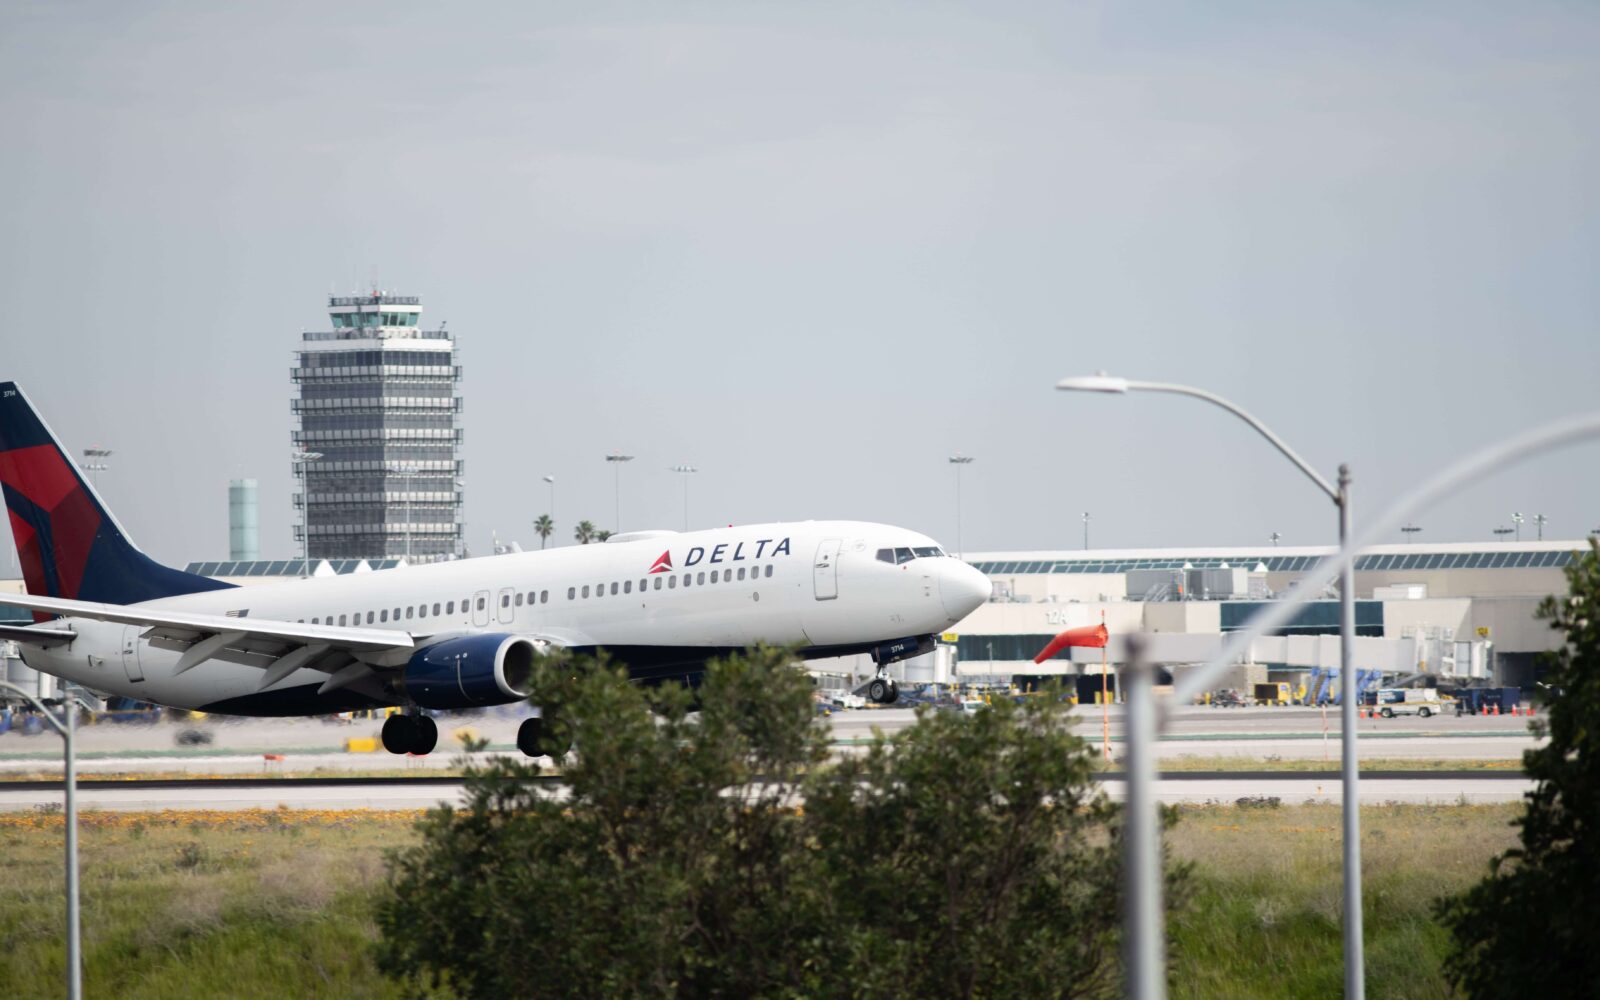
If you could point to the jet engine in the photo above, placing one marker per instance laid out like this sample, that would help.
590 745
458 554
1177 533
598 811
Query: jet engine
471 671
902 649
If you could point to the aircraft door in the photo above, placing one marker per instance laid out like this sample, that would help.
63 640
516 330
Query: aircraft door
503 607
824 570
130 653
480 608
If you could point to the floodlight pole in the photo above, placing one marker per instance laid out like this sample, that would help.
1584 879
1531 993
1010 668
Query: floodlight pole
70 819
958 460
1354 979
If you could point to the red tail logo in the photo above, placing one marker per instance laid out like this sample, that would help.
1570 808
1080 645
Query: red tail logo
663 563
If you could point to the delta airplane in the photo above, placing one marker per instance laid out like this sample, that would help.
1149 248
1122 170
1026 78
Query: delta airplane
449 635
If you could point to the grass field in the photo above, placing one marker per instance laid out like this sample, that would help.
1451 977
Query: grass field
277 904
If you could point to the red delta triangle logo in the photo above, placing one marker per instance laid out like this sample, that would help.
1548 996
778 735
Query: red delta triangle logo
663 563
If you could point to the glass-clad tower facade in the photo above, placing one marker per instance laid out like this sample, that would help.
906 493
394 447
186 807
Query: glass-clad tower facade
376 454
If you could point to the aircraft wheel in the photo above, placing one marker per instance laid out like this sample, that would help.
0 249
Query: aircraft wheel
424 734
557 738
892 695
397 734
878 690
529 736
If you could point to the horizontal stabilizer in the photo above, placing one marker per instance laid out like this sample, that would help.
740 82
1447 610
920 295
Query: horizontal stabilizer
45 637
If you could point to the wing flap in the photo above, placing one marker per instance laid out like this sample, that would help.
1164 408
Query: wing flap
35 636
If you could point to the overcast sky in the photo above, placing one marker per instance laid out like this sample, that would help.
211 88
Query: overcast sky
815 249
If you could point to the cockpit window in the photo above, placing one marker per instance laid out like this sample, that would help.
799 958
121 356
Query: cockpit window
904 555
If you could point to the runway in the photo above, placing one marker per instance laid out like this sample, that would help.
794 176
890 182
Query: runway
242 746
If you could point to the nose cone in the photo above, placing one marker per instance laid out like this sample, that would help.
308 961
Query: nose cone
962 589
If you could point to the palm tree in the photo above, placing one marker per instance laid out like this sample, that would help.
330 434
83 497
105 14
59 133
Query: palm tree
544 528
602 535
585 532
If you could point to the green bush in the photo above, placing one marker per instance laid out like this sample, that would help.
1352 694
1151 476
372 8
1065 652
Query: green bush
716 853
1527 929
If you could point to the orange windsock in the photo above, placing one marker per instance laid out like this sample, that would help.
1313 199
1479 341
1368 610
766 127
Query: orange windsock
1089 635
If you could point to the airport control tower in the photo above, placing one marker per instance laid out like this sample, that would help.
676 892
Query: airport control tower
377 452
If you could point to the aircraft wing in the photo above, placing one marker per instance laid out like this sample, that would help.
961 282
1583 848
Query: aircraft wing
278 647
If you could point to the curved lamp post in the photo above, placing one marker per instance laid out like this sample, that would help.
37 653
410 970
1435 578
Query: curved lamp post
70 819
1152 957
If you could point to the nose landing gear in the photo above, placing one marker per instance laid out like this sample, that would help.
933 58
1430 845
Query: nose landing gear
416 734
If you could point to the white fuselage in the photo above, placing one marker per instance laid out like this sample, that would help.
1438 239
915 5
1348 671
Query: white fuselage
820 586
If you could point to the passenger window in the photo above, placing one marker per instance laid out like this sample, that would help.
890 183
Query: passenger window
613 590
383 615
519 598
741 572
903 555
505 600
341 619
688 578
571 593
410 611
886 555
658 583
436 608
315 622
480 604
544 597
369 618
672 582
586 590
450 608
396 614
701 579
627 586
769 571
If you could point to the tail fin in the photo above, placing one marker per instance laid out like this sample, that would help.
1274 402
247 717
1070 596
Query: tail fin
69 544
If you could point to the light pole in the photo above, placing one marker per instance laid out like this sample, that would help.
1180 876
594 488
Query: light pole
299 460
70 820
1275 537
1086 531
1354 979
685 471
1539 522
1517 520
616 461
1409 529
959 461
93 462
1502 531
551 479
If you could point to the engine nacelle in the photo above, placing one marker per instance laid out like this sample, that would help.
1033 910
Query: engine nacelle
902 649
471 671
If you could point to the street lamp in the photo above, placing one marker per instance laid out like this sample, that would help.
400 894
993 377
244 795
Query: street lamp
1409 529
1086 531
1539 521
299 460
1275 537
551 479
959 460
93 462
1517 520
684 471
70 823
1502 531
1147 951
616 461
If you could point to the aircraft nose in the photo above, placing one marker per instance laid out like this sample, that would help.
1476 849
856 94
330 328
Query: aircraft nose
963 589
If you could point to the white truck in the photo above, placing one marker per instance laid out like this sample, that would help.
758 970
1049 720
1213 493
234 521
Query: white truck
1421 702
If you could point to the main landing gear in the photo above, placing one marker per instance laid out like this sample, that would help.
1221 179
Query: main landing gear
416 734
538 737
883 690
